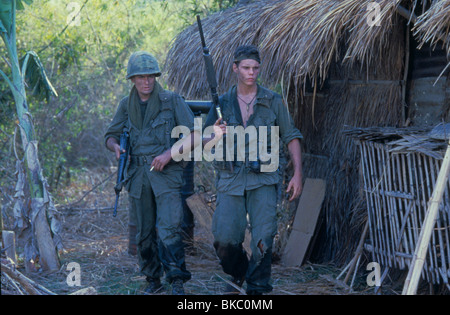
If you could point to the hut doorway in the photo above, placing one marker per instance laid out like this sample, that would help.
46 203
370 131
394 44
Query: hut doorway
428 87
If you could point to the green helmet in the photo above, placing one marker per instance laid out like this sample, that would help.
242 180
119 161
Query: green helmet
142 62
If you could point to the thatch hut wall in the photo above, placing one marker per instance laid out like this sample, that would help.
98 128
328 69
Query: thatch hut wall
333 69
350 96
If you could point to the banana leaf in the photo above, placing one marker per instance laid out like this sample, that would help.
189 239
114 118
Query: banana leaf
7 13
34 74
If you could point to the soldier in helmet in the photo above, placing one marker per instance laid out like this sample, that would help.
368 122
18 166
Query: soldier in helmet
153 179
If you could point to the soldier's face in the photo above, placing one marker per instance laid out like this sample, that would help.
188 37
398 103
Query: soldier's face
144 85
247 71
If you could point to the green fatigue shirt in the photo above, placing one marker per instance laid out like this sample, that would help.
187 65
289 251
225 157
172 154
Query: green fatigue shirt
152 140
269 111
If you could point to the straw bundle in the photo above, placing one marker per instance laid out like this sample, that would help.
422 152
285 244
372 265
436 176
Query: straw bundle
366 42
316 31
433 26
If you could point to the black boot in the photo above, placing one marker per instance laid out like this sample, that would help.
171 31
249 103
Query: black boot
232 290
153 286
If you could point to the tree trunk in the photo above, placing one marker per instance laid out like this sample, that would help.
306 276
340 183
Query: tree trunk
48 257
47 249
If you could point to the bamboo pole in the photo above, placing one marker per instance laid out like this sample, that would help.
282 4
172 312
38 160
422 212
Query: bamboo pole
410 287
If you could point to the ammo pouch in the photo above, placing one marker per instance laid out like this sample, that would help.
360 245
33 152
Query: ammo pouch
250 166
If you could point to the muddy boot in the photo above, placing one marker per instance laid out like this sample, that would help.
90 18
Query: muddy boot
153 286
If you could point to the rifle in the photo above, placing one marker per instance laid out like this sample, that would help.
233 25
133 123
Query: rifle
124 151
211 77
210 72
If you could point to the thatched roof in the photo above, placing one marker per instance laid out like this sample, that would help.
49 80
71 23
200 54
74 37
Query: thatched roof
298 39
433 26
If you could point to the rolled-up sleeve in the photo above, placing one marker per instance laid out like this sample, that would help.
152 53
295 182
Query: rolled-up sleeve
288 131
119 121
183 114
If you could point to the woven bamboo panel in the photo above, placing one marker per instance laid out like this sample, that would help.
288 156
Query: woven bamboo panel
398 185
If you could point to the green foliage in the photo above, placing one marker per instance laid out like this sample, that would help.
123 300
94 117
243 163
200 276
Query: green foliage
84 46
7 12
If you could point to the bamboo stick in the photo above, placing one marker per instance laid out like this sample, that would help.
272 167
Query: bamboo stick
411 207
434 167
430 188
364 162
440 257
378 216
410 287
395 221
387 210
355 261
399 176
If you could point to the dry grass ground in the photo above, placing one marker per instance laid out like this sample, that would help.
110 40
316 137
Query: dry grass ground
98 242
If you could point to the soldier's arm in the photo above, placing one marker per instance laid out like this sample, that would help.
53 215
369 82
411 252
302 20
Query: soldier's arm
115 128
113 145
295 185
290 135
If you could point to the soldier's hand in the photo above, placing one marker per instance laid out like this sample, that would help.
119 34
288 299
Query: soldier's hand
161 161
117 151
219 128
113 145
295 187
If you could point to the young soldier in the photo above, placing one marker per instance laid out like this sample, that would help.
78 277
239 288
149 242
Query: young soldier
243 187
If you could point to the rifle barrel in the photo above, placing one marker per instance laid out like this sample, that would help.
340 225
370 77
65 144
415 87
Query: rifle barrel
200 29
115 205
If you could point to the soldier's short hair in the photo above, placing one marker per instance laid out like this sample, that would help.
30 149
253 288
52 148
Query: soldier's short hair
246 52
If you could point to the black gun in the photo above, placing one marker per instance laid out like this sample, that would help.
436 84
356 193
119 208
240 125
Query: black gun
211 77
124 151
210 72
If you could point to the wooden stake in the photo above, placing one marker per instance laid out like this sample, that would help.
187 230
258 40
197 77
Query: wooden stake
410 287
358 253
9 243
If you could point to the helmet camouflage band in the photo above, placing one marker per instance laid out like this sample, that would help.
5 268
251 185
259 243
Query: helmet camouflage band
142 62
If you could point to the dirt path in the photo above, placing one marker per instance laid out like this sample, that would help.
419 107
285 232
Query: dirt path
99 244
